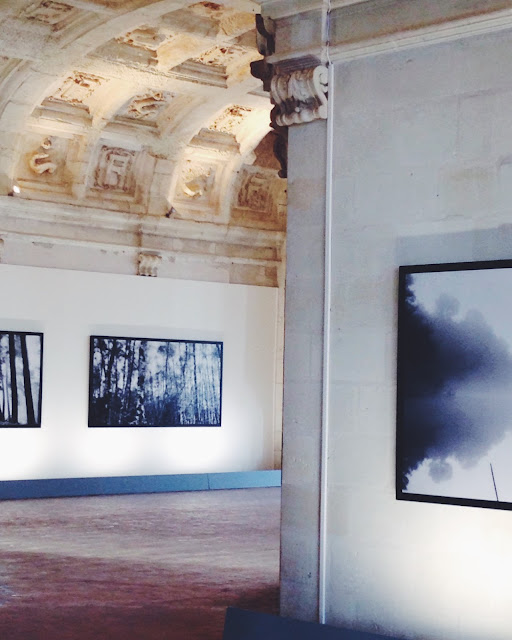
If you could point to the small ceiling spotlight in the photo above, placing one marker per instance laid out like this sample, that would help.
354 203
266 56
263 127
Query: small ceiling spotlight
171 212
14 191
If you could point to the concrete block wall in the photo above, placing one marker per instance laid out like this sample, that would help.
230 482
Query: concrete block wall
422 174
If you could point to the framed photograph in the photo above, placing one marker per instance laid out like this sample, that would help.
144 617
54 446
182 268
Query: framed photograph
454 398
141 382
21 365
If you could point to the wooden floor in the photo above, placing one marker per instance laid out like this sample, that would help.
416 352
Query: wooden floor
144 567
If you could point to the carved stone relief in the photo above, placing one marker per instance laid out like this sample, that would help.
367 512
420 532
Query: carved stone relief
40 161
77 88
197 180
254 193
217 142
220 56
49 12
46 165
230 119
146 106
148 264
114 170
260 199
300 96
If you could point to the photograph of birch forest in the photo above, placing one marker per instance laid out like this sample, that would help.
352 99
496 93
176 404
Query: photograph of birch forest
21 357
136 382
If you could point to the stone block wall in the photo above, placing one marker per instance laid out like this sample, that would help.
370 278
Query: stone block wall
423 141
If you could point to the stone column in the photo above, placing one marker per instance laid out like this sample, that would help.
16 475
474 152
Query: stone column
298 89
303 372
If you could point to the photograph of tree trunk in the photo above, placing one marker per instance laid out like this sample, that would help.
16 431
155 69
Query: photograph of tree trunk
21 359
137 382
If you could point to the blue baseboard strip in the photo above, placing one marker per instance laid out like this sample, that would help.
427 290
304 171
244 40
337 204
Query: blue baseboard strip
74 487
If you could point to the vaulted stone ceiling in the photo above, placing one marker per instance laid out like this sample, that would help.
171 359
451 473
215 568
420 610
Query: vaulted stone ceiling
142 110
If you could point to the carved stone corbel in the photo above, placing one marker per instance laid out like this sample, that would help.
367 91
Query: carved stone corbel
148 264
300 96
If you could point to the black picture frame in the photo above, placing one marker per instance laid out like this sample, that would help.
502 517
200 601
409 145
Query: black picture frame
147 382
21 379
454 384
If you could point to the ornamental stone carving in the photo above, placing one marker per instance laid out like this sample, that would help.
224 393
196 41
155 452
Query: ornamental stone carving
220 56
145 106
40 161
299 96
260 199
48 11
197 180
148 264
114 170
77 88
254 193
230 119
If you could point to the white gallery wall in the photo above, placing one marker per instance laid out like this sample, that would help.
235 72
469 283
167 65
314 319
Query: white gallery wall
422 174
69 306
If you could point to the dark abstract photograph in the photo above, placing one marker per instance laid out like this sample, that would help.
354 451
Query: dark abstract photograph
21 358
454 384
138 382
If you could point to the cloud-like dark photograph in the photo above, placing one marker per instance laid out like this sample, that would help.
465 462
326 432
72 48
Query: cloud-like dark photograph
454 396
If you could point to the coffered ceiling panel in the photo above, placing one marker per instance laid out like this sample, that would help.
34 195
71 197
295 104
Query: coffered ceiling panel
138 107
